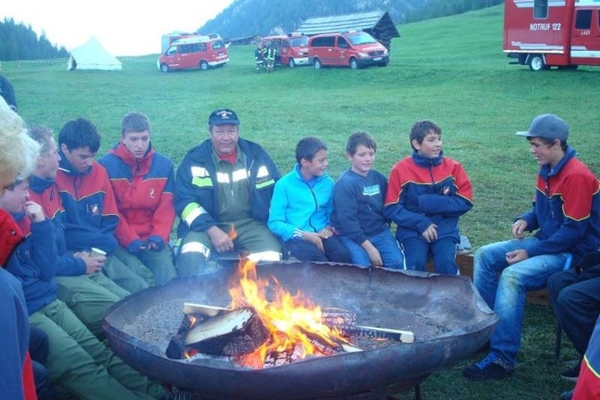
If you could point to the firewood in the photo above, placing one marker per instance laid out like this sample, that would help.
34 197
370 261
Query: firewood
209 311
377 333
333 316
231 333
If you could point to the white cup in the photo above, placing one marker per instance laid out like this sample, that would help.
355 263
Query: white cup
94 252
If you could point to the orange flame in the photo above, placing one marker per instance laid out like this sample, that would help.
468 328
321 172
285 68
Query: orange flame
289 318
232 232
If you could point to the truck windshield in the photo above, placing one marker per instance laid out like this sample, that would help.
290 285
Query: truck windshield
299 41
361 38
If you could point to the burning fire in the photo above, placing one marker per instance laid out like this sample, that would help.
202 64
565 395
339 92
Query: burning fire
232 232
292 320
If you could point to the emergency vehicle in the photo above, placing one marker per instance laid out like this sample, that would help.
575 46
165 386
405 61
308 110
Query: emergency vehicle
291 49
354 49
547 33
196 51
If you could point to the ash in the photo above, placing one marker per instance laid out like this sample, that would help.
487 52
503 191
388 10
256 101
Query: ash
157 325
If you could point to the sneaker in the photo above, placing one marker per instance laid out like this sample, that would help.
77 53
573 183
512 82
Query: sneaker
571 374
491 367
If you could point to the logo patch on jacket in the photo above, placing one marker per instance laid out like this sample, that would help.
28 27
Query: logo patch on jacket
93 209
371 190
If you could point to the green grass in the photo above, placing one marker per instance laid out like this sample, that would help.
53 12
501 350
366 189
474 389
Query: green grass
451 70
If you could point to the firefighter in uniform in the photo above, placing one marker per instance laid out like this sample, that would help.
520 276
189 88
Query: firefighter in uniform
222 196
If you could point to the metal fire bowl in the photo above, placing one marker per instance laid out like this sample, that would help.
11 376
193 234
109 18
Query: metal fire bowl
448 317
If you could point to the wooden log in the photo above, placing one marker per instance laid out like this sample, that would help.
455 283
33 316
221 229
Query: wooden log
230 333
377 333
333 316
209 311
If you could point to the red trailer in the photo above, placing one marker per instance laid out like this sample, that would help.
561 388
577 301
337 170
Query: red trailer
548 33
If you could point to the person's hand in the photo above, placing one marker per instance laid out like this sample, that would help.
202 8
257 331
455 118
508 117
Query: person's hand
430 234
33 211
373 253
93 264
314 238
513 257
518 228
326 232
220 240
152 246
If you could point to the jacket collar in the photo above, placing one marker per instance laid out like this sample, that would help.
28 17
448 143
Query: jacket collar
427 162
547 171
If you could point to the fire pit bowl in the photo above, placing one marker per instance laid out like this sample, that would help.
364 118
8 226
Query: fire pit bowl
449 319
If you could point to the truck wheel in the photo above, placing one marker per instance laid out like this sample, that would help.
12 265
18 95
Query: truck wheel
164 67
536 62
317 63
291 63
353 63
203 65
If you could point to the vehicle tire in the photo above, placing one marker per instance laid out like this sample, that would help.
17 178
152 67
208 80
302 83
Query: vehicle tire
203 65
536 62
291 63
164 67
317 63
353 63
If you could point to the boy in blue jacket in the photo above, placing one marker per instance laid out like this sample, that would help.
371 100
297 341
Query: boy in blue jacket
302 204
358 198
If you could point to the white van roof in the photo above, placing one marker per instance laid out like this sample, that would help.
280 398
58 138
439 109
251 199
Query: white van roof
192 40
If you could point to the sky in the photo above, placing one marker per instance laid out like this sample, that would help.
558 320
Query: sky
125 27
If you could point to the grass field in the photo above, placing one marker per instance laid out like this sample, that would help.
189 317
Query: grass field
451 70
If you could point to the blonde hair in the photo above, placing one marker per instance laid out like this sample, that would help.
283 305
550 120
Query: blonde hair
18 152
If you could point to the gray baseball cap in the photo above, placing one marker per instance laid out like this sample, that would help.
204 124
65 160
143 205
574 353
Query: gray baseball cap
547 126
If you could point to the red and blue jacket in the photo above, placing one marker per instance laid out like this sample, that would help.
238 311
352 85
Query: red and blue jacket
566 209
16 373
144 193
90 207
588 383
45 193
422 191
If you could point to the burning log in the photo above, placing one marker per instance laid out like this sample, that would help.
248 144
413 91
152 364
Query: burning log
235 332
334 316
377 333
229 332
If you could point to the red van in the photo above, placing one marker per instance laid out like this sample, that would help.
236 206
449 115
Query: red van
292 49
191 52
354 49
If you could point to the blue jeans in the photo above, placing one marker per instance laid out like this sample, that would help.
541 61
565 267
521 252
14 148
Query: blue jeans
504 287
384 241
443 251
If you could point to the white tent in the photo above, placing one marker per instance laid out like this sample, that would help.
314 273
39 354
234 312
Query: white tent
92 55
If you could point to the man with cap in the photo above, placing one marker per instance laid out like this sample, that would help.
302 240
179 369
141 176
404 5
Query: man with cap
566 219
222 196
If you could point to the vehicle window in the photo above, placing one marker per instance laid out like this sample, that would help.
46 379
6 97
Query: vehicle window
285 44
172 50
218 44
583 19
343 43
202 46
299 41
185 48
361 38
540 9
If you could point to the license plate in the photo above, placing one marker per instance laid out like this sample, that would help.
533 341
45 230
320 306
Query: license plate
377 59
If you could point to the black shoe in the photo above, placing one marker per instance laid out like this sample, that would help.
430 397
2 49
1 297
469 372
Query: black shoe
491 367
572 373
568 395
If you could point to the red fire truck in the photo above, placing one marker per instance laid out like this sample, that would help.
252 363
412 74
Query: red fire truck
547 33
